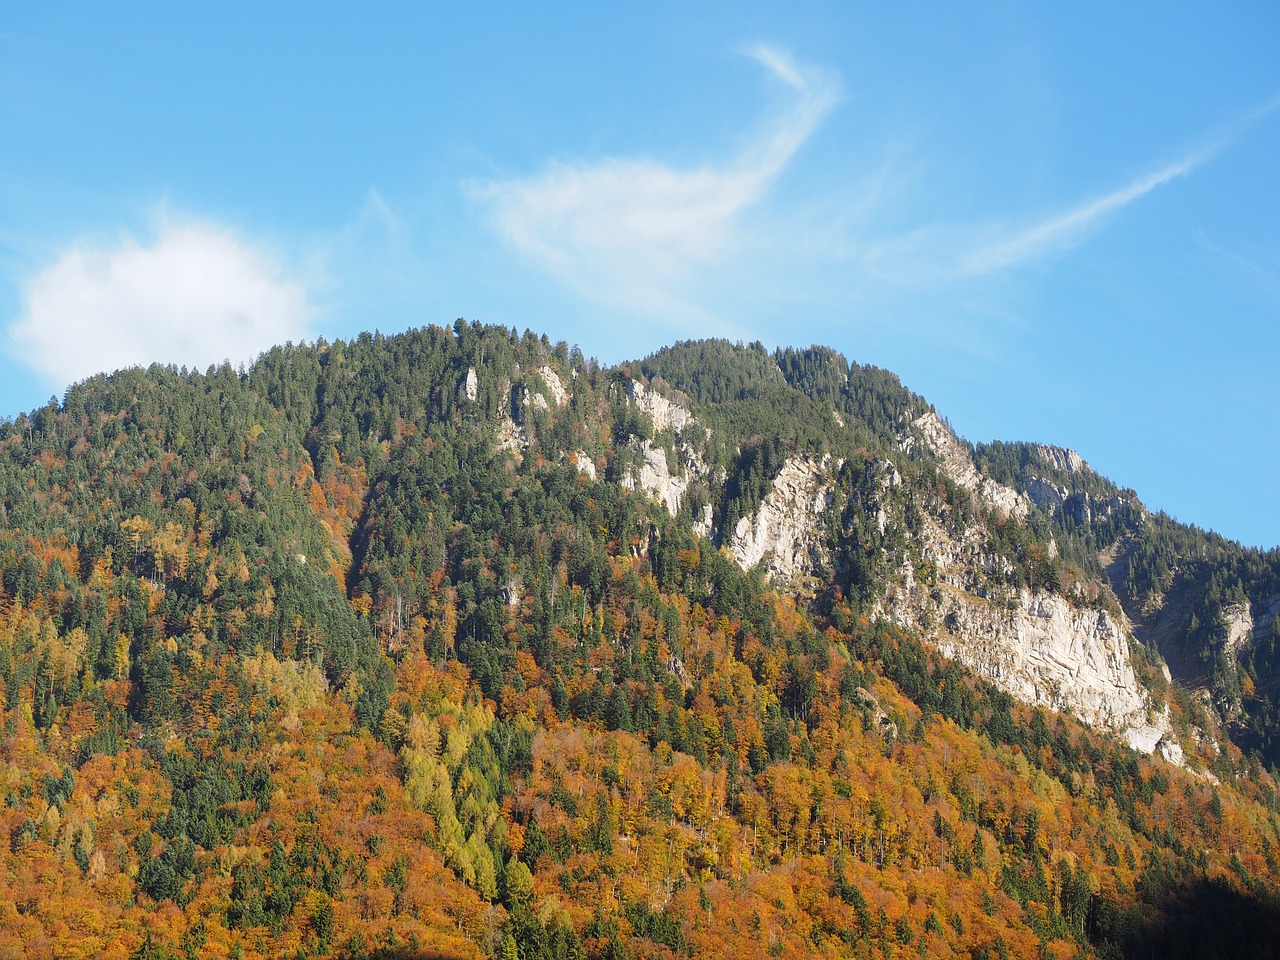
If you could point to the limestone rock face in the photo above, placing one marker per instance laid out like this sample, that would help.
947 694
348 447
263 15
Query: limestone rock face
513 404
1268 609
511 434
656 479
1046 494
958 465
1034 645
1237 622
655 476
666 414
1044 651
469 386
704 525
586 466
1082 507
786 531
881 720
558 393
1067 461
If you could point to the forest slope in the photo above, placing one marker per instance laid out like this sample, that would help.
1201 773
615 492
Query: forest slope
438 645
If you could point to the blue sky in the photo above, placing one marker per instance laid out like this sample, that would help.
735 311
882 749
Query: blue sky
1056 224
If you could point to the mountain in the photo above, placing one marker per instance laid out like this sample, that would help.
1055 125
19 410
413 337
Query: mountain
456 644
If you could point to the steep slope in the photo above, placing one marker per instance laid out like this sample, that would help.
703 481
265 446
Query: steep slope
978 599
1207 605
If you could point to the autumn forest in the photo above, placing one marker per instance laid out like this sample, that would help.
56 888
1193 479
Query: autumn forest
380 649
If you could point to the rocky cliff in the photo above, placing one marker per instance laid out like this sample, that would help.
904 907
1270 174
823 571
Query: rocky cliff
1044 651
955 461
786 531
1035 645
655 475
1038 646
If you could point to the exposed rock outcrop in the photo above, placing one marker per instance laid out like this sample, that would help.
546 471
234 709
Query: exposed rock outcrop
586 466
1267 611
1044 493
959 467
704 524
785 532
510 591
513 404
1237 627
558 393
655 477
1042 650
881 721
469 386
510 432
1034 645
1081 506
1059 458
666 414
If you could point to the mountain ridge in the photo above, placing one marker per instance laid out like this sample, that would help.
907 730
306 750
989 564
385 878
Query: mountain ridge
455 643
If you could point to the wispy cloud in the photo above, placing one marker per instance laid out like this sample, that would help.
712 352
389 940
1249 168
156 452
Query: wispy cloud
1064 230
942 255
197 294
630 232
949 252
1258 274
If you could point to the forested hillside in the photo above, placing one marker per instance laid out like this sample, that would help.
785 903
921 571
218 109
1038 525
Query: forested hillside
442 645
1208 605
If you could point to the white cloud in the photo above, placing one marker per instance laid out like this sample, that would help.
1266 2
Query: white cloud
941 255
948 252
197 295
633 232
1065 230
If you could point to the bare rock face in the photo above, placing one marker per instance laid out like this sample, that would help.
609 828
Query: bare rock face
552 379
655 476
586 466
956 463
786 531
1044 651
1268 610
704 525
1032 644
1043 493
513 404
510 432
1083 507
666 415
1237 623
510 591
656 479
881 720
469 385
1067 461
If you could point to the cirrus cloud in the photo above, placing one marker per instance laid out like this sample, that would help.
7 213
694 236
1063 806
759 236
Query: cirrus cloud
196 295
